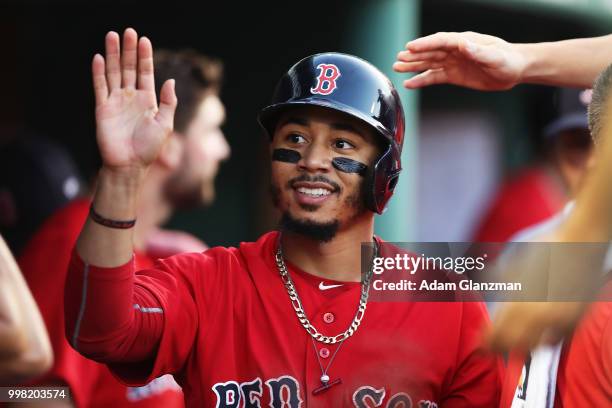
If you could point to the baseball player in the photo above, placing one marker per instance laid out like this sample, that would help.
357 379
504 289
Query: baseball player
284 321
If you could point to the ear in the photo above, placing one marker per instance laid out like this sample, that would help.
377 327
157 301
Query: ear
591 162
172 152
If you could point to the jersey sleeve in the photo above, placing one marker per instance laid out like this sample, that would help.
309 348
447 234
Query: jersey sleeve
143 324
606 346
476 382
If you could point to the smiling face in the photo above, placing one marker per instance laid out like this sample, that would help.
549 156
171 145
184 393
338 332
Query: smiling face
319 158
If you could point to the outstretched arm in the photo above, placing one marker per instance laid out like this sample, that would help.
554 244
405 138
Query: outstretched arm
488 63
100 296
25 350
523 324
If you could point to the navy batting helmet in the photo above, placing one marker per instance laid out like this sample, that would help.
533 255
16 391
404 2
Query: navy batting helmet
351 85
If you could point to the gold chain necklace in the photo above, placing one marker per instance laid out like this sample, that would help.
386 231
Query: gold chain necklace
299 309
310 329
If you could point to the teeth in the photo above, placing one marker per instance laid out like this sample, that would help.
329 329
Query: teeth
314 192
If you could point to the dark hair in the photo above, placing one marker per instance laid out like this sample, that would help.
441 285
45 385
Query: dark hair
196 75
599 99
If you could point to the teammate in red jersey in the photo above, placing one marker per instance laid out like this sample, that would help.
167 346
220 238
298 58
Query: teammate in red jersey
182 175
283 321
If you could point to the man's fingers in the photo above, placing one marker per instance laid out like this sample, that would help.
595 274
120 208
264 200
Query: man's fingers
429 77
113 69
407 56
146 78
129 58
437 41
167 104
417 66
99 79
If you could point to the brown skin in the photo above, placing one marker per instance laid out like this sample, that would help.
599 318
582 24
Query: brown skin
488 63
319 135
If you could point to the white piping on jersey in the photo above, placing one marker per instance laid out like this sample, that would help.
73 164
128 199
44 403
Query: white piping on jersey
148 309
77 326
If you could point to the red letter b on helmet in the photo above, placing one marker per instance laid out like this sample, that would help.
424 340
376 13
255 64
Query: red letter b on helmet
326 81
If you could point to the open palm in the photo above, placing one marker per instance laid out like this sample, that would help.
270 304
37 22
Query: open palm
130 127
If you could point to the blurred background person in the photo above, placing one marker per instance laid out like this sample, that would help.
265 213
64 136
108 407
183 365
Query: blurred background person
182 177
37 177
576 372
570 372
25 351
542 189
572 144
572 150
195 152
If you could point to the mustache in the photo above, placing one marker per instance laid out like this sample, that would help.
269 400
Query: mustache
314 179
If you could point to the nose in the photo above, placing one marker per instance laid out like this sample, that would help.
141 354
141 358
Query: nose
316 158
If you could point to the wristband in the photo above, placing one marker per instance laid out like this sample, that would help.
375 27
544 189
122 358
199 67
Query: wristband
97 218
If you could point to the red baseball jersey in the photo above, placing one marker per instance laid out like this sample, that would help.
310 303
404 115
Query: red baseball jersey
44 263
584 375
229 333
529 197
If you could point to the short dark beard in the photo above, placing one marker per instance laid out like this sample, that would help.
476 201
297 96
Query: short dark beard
185 196
319 231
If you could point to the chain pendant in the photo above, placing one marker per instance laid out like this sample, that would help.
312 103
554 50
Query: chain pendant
326 385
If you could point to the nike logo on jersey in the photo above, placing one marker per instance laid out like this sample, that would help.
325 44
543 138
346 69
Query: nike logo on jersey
323 286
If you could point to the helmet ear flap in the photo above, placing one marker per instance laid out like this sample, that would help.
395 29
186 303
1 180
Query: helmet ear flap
381 180
392 182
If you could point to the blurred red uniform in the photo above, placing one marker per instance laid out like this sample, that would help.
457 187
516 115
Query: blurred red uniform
44 262
528 198
584 376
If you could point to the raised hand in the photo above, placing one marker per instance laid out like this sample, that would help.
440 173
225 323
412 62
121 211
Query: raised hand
130 127
467 59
